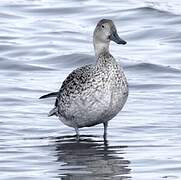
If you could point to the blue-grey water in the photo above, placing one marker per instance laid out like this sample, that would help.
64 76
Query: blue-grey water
41 42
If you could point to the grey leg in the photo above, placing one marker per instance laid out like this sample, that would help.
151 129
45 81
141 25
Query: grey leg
105 130
77 132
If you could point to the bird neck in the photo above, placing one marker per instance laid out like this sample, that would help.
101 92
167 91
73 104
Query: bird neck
100 47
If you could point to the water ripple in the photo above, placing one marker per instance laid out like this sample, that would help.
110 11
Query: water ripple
41 42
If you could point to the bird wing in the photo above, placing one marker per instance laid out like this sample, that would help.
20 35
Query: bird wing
74 85
76 79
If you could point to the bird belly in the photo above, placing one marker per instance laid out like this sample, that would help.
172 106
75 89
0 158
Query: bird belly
93 108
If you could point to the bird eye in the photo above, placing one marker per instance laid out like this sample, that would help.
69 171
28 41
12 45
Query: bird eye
102 26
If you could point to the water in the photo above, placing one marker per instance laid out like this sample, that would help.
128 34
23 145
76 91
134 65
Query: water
41 42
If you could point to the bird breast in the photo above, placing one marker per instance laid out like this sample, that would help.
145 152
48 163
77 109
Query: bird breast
99 103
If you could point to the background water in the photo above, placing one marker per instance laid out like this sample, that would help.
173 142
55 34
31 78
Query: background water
41 42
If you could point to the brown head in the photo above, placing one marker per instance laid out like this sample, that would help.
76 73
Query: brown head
105 32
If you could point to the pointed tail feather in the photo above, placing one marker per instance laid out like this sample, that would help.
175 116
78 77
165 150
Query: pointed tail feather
54 111
54 94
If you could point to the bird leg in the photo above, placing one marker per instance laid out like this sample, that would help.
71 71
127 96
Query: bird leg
77 133
105 129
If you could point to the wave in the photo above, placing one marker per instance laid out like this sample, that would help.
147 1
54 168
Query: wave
68 61
8 64
152 67
76 60
164 6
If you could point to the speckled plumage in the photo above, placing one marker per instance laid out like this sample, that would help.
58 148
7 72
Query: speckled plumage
93 94
86 96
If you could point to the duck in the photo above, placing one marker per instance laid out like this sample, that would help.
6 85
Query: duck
93 94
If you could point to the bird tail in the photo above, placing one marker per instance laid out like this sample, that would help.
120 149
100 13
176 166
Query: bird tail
53 94
54 111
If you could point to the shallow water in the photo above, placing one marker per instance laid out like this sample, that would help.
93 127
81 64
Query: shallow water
41 42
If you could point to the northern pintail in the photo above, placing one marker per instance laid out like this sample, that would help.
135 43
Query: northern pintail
93 94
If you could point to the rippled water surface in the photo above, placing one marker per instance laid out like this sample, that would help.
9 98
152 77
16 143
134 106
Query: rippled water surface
41 42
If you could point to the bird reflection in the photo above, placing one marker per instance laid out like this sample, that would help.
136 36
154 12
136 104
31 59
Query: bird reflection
90 159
